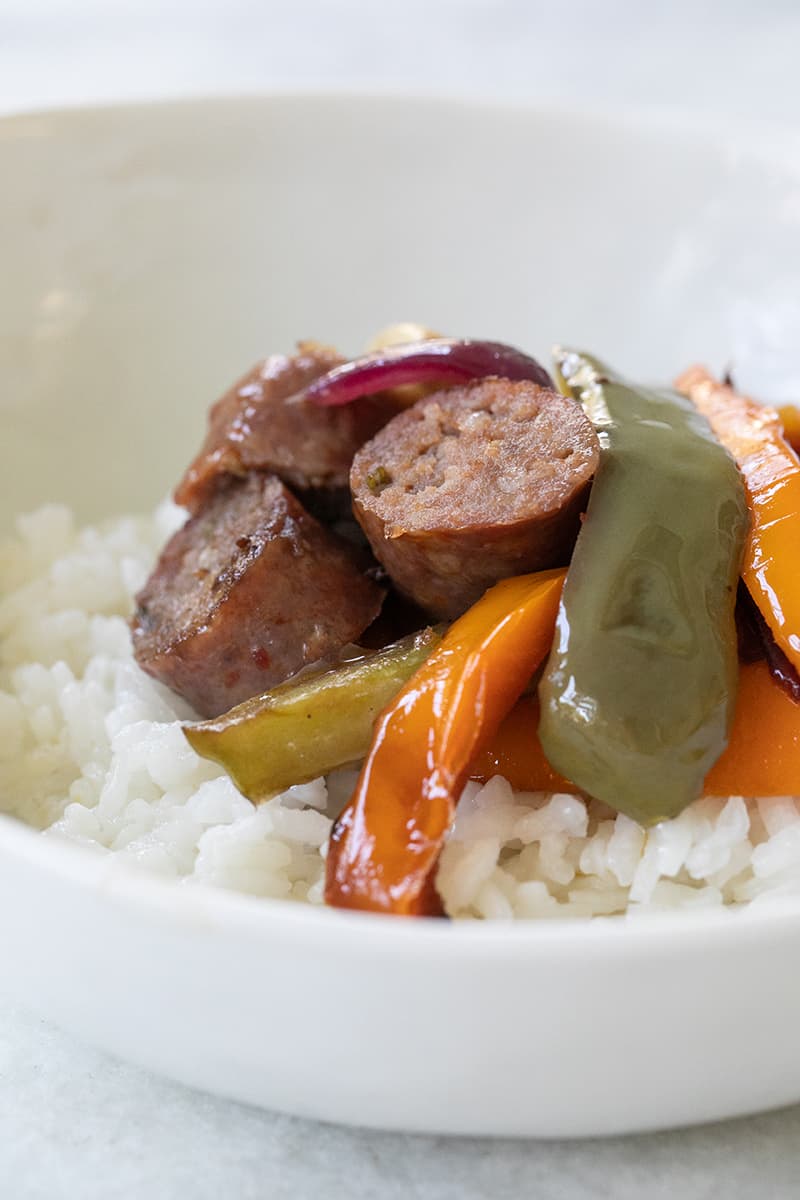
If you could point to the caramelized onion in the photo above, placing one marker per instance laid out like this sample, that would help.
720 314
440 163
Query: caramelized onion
436 360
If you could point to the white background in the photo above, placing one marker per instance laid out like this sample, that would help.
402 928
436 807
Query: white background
76 1124
737 58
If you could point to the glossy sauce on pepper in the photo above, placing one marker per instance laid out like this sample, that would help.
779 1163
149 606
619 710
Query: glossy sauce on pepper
754 434
638 694
386 844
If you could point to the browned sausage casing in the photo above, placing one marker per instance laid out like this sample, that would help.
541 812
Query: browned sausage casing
252 427
472 485
245 594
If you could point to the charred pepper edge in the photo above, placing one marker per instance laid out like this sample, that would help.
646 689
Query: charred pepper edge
445 360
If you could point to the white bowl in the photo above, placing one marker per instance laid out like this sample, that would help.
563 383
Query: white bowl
149 255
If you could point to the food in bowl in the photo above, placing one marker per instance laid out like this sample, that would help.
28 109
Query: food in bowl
635 761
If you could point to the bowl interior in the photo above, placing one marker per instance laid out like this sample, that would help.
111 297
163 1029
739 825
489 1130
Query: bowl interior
151 254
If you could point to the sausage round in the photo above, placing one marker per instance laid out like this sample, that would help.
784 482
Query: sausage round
245 594
474 484
258 425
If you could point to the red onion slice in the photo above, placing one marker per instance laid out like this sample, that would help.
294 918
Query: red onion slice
437 360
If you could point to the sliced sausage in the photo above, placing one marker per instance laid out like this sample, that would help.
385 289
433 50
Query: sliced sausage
474 484
258 425
245 594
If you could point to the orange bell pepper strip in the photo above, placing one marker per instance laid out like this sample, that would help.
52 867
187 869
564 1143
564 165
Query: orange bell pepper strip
386 844
771 471
762 757
516 753
763 753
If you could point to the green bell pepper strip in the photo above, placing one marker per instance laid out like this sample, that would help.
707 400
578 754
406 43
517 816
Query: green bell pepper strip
638 693
311 724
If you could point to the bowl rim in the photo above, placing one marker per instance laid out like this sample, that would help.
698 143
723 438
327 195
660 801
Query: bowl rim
760 135
190 903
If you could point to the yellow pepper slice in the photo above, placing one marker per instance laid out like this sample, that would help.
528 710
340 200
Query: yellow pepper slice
310 724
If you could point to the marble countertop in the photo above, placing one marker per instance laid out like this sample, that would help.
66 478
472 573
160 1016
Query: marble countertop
78 1124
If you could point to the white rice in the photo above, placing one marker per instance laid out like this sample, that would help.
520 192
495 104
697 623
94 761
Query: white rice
91 750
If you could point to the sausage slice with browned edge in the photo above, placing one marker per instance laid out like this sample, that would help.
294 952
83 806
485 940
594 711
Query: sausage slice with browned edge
245 594
259 425
474 484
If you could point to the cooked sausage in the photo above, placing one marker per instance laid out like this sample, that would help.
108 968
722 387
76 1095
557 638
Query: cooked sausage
245 594
474 484
258 426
